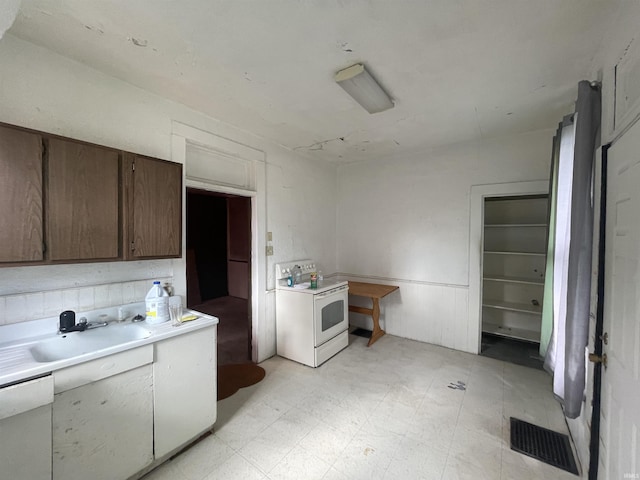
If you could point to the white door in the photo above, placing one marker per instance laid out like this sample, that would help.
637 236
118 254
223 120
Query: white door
620 420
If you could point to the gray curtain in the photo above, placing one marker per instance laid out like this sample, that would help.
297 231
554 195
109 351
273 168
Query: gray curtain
579 278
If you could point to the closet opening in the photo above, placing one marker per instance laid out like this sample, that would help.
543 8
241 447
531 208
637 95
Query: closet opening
219 267
514 259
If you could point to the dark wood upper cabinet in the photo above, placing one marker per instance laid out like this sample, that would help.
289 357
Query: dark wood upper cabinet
21 226
67 201
154 197
83 201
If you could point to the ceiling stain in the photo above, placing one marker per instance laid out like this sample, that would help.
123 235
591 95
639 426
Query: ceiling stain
94 29
344 46
478 122
314 147
626 50
138 42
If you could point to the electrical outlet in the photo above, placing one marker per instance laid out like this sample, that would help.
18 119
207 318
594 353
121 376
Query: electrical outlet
269 250
269 236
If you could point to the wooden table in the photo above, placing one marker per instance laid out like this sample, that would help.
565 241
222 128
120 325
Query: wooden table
375 292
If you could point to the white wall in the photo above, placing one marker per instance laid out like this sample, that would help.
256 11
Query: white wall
405 221
45 91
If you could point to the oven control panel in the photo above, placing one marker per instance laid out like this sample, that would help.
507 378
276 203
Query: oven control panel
283 270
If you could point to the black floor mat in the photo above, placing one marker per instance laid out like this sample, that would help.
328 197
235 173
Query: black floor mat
510 350
542 444
361 332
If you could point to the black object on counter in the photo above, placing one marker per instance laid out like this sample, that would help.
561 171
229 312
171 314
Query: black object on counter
67 321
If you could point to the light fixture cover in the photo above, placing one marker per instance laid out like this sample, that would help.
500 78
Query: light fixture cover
359 83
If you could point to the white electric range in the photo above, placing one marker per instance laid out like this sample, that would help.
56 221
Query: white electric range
311 323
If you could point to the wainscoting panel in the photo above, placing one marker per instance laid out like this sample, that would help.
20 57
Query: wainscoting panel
431 313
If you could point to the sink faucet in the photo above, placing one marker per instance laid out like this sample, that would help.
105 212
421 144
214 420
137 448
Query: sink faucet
68 323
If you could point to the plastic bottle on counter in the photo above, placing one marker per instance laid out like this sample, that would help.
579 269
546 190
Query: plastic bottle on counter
157 304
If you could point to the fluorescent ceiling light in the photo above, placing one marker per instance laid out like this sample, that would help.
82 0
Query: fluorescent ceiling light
359 83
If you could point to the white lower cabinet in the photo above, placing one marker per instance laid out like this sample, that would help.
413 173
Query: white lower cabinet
103 428
25 430
113 417
185 388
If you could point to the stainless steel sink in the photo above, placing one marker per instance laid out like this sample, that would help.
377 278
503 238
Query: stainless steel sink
73 344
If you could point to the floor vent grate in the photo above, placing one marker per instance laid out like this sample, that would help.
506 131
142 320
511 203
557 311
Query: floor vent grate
542 444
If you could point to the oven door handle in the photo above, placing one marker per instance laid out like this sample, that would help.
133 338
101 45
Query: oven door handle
332 292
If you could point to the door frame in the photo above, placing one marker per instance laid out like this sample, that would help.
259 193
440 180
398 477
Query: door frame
476 243
226 196
248 165
594 440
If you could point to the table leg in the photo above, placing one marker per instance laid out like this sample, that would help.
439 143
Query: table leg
377 331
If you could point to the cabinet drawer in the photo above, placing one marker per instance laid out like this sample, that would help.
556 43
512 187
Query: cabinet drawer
25 396
101 368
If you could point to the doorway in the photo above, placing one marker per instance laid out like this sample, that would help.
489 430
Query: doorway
219 267
515 243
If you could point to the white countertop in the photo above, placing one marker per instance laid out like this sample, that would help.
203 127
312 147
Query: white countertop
17 363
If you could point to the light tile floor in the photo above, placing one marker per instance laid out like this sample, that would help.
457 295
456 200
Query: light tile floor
384 412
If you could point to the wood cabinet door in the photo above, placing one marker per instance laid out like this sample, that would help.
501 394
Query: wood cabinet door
155 197
21 238
82 208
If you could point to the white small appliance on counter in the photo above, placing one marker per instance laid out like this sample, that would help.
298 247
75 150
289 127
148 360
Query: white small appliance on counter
311 323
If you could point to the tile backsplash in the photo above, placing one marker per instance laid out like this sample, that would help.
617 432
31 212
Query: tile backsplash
43 291
36 305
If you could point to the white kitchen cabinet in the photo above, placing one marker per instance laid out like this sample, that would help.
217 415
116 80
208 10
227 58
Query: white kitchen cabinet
185 389
25 430
515 241
103 417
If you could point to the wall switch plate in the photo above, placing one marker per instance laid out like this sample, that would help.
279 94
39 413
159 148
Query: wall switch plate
269 236
269 249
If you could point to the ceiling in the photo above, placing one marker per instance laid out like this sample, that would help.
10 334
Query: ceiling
458 70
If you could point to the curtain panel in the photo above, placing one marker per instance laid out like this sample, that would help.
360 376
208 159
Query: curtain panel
568 283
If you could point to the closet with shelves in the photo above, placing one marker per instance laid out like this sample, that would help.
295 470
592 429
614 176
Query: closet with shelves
515 240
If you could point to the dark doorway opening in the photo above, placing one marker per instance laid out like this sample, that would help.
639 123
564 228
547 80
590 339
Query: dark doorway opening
219 267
